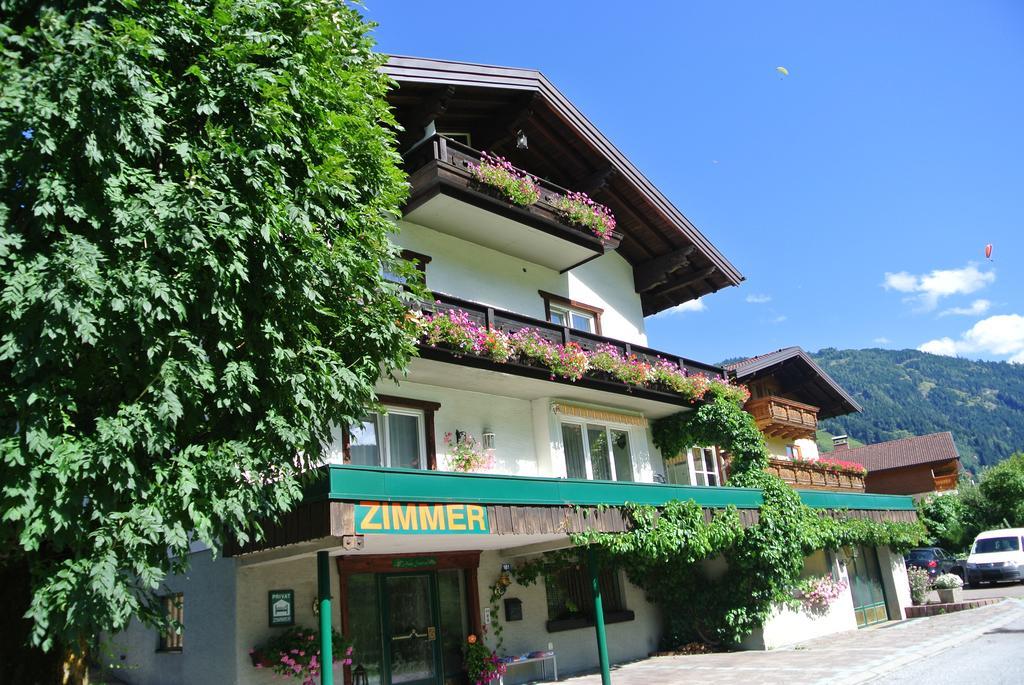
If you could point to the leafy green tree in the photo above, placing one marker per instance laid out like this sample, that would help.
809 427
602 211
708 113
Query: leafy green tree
1003 488
195 201
946 518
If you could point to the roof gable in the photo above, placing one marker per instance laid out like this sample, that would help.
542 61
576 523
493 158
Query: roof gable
673 261
794 368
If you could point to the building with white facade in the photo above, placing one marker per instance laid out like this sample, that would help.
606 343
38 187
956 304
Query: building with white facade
414 547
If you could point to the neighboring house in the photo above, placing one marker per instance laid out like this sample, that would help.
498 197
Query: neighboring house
919 466
789 392
409 549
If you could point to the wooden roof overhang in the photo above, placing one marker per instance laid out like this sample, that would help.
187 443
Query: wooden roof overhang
800 379
673 262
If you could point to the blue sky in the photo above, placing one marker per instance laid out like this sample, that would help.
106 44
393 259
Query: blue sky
856 195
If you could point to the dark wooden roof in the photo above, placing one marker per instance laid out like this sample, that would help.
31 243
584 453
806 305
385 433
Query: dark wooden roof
800 379
673 262
896 454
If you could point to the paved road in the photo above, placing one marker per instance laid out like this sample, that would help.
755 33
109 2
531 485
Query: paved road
996 657
848 658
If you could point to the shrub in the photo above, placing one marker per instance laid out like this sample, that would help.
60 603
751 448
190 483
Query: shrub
948 581
920 584
482 665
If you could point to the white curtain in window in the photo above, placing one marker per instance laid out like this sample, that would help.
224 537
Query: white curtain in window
364 442
404 441
572 443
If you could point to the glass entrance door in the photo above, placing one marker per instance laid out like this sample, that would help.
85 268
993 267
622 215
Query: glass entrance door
412 654
866 588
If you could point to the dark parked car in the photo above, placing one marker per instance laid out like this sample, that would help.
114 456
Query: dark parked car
935 561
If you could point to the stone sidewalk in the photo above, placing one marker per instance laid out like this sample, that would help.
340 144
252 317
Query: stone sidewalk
840 659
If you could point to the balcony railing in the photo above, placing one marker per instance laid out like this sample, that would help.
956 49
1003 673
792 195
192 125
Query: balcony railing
778 417
439 166
810 476
945 482
510 322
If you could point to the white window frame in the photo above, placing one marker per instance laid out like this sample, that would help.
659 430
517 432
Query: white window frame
381 419
608 427
567 313
693 459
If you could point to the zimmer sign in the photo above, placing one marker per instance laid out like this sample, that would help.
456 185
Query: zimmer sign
399 518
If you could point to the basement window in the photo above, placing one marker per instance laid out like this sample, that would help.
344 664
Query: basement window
571 601
171 638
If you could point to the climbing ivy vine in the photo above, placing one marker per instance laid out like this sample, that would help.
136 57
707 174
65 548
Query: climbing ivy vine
663 550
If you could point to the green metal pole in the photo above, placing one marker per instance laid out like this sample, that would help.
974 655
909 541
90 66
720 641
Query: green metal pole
602 641
323 583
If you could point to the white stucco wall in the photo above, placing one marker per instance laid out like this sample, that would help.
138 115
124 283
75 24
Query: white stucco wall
254 582
477 273
787 626
528 433
777 447
576 649
208 636
896 583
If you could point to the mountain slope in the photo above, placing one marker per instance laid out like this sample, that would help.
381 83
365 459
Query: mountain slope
906 392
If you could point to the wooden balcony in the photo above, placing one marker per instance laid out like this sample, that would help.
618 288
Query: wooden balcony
778 417
445 197
511 322
945 482
807 475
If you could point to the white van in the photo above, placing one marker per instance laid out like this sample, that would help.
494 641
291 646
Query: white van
996 555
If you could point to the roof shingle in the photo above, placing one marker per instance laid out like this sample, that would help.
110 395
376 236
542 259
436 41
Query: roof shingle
894 454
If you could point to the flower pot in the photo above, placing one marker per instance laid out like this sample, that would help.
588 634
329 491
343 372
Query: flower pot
951 596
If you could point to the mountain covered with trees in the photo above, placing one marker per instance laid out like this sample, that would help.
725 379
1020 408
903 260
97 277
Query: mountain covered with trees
906 392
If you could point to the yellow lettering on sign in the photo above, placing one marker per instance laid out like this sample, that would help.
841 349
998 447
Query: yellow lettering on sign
385 515
367 523
475 517
404 518
431 517
456 514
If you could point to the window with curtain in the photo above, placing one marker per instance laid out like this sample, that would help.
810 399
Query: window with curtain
394 439
570 598
597 452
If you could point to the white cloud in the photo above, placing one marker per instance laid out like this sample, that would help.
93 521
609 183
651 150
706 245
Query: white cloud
780 319
977 308
944 346
757 298
688 306
882 340
931 287
997 335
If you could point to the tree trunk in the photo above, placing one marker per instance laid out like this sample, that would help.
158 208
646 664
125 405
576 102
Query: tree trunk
21 663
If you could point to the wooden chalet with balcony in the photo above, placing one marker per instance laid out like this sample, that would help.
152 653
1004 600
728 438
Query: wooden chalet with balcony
920 466
788 392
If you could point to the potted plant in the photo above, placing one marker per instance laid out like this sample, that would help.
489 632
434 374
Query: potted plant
295 653
482 665
920 584
950 588
497 173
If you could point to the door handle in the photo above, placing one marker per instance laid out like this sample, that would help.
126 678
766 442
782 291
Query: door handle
430 635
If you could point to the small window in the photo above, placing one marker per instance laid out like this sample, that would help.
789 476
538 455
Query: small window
576 315
697 466
394 439
174 612
571 600
418 260
459 137
793 452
